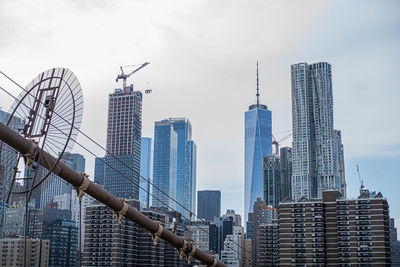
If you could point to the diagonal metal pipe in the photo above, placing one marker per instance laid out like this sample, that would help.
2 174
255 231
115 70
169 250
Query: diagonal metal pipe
25 146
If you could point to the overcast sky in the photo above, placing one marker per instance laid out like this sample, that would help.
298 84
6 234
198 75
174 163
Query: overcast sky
203 56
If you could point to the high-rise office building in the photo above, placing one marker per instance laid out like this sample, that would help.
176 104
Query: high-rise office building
186 165
190 188
99 170
63 237
272 180
165 164
258 139
14 222
52 213
8 159
76 161
35 223
236 218
394 244
335 231
315 155
145 172
285 155
209 204
124 129
55 186
224 228
338 141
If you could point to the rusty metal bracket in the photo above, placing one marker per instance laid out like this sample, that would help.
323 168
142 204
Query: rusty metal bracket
190 254
29 157
215 262
181 250
80 191
157 234
121 213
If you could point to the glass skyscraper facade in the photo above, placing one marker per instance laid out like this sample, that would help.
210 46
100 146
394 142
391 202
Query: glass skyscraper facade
124 129
209 204
258 139
186 166
186 159
145 172
190 187
272 180
285 161
165 164
315 152
63 236
99 168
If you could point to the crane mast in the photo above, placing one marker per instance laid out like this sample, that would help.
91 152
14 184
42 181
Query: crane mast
363 192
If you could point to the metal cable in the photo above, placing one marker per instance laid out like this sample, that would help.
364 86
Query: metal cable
110 154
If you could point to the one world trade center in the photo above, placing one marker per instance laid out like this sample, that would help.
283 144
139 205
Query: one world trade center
258 139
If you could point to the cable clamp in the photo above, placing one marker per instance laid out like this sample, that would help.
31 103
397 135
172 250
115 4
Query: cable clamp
215 262
181 250
80 191
29 157
122 212
190 254
157 234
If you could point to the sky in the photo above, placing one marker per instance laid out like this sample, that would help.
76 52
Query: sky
203 57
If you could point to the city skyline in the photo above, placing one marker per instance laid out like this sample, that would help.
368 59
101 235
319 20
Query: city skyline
359 103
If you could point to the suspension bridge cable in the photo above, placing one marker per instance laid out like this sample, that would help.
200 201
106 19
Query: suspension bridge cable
110 154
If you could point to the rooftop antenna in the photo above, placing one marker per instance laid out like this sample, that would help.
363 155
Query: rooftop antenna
258 89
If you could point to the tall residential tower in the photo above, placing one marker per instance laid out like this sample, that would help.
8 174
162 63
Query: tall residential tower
124 129
315 152
258 138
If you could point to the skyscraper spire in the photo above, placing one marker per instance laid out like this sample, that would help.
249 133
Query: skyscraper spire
258 89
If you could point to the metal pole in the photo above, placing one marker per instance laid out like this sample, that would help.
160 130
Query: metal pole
76 179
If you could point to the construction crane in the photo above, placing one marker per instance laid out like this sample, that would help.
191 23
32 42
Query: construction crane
364 193
276 143
124 76
359 178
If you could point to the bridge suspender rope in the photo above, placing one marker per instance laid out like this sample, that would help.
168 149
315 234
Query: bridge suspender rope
80 181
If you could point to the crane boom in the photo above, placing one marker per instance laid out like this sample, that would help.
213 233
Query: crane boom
124 76
276 143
